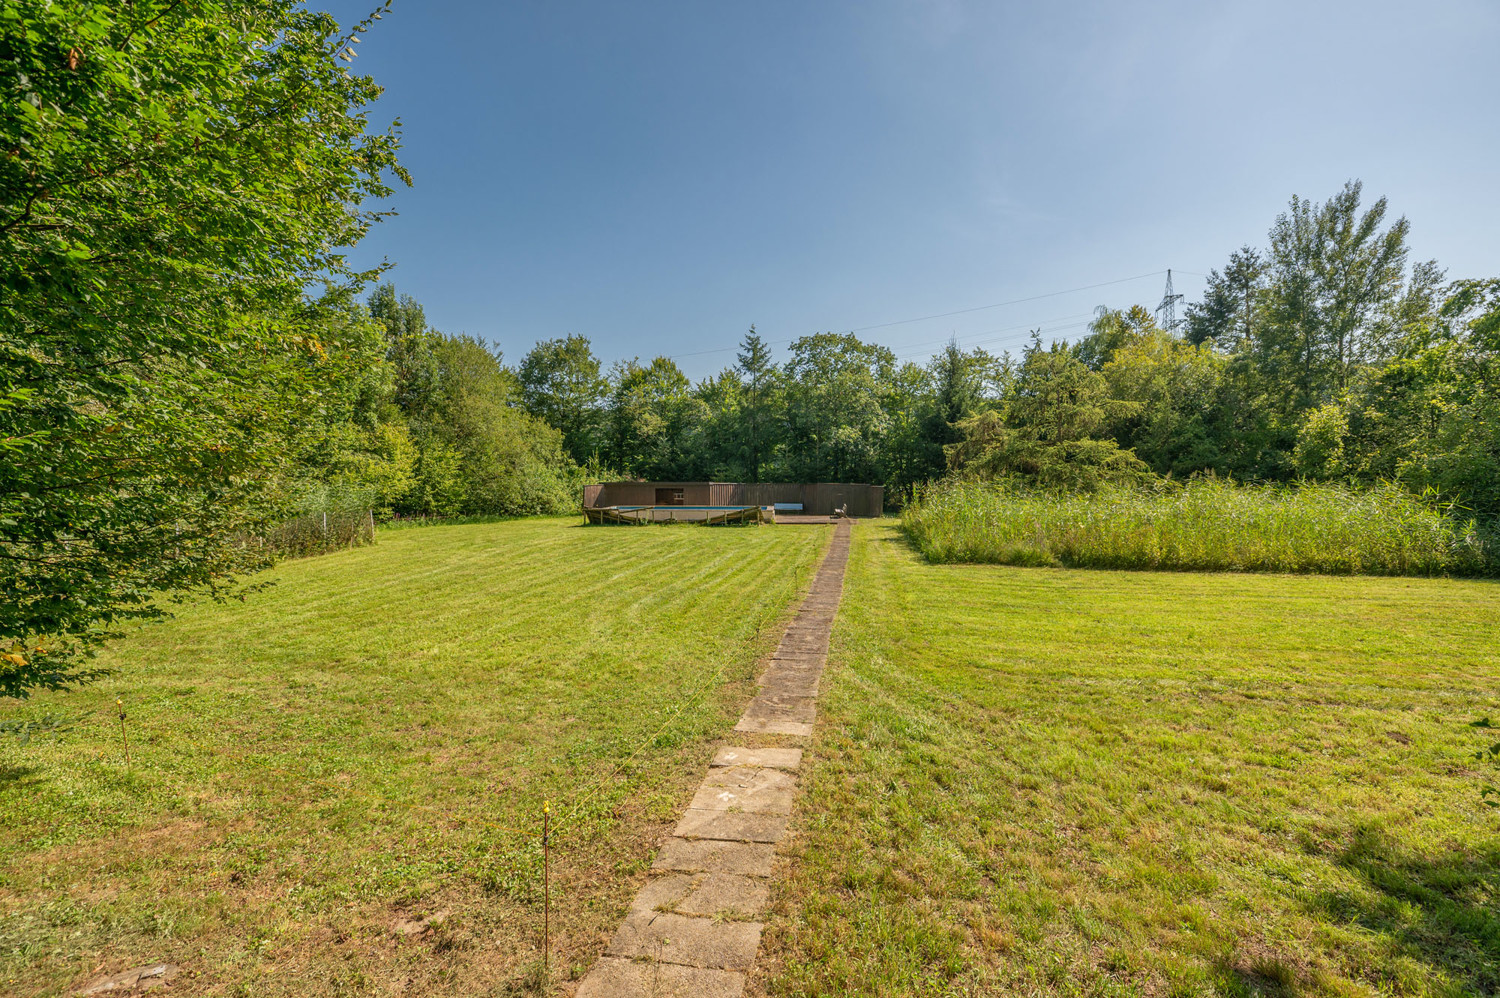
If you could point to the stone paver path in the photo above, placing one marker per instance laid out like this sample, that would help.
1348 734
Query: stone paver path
692 931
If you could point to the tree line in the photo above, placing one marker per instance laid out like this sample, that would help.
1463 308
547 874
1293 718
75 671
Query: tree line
188 359
1326 355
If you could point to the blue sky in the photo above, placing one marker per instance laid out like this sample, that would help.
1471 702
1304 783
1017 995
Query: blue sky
658 176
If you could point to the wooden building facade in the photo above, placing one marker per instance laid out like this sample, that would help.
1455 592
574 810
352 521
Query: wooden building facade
816 498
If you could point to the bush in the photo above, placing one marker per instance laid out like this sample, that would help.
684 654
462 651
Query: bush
1205 525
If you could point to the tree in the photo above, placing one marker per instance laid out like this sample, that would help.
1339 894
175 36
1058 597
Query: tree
476 451
654 420
1051 430
758 422
560 385
1111 330
1226 315
177 176
1334 275
924 407
721 453
1177 391
834 413
1443 392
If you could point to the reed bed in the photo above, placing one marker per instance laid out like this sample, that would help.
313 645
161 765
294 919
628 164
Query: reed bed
1201 525
324 518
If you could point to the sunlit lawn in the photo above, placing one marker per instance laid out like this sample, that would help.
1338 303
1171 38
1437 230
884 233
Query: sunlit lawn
1068 782
355 746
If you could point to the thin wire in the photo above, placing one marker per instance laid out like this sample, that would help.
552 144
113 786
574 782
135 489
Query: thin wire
942 315
990 340
1014 301
682 705
906 349
378 798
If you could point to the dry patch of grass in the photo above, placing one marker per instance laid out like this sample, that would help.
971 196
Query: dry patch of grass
336 786
1064 782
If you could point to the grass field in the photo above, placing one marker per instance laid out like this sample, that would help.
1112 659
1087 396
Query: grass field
318 769
1061 782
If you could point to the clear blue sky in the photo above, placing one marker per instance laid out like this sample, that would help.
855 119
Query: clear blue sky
658 176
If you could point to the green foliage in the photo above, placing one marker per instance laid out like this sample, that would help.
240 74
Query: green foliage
561 386
176 176
1320 441
466 447
1049 432
1181 406
837 410
654 419
1489 755
835 419
1205 525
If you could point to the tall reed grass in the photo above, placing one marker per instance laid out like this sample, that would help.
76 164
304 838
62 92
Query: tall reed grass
1204 525
324 518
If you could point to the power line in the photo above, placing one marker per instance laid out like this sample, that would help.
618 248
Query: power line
940 315
1007 338
970 339
999 304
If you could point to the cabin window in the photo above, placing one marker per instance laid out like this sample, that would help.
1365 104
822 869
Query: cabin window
669 497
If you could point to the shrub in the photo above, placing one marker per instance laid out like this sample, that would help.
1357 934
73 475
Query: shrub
1206 524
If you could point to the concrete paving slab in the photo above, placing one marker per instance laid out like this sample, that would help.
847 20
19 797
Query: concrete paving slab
808 658
730 826
771 726
790 682
805 645
693 942
803 630
749 859
615 977
782 708
812 665
746 788
725 893
673 943
747 776
663 892
779 758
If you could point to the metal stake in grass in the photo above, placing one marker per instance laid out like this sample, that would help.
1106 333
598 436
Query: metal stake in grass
124 740
546 890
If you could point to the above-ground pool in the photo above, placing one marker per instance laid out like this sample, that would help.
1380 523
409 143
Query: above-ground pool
679 514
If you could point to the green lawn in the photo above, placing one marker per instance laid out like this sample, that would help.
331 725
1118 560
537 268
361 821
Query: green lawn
352 748
1066 782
